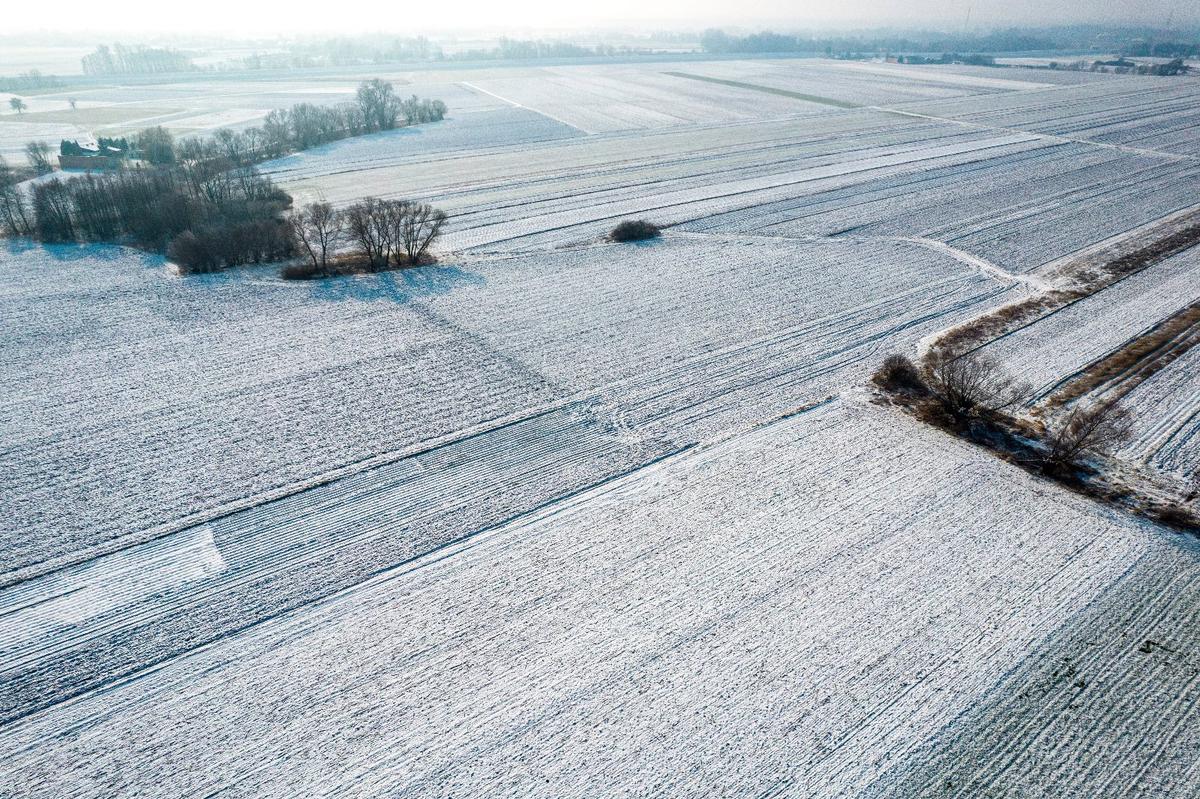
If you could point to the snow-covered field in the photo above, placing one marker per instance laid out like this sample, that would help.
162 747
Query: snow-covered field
1167 431
558 517
206 391
1060 346
1054 349
838 603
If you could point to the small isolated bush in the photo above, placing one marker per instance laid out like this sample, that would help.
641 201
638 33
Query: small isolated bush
634 230
899 375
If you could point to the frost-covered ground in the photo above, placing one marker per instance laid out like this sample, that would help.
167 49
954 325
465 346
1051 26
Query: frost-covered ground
840 603
1058 346
1167 408
207 391
1013 192
558 517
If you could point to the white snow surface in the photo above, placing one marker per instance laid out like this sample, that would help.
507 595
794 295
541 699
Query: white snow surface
823 607
559 518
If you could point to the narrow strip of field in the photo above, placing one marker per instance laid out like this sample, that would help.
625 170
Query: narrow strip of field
755 87
1137 361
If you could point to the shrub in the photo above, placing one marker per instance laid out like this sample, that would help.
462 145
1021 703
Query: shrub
634 230
898 374
192 253
222 243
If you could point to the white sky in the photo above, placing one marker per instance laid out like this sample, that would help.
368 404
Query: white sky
410 16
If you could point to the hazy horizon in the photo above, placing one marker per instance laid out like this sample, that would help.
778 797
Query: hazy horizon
141 17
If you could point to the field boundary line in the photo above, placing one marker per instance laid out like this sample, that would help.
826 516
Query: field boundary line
756 87
208 516
1125 148
515 104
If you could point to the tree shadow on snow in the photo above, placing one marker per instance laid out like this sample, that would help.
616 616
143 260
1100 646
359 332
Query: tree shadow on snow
77 252
401 287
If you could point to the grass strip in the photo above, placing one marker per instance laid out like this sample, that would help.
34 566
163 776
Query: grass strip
737 84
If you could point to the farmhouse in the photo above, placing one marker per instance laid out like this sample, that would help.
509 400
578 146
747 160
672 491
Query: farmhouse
89 153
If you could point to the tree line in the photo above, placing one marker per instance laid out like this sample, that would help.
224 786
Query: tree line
29 81
1131 41
376 107
205 214
202 202
380 234
139 60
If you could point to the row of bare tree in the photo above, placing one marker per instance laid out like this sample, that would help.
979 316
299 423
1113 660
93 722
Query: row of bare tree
974 388
381 232
304 125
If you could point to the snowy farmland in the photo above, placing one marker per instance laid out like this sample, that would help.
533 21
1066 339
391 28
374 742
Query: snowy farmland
557 516
772 613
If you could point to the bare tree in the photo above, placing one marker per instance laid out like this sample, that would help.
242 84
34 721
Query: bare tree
367 225
232 145
420 225
15 216
155 145
17 104
277 134
1092 429
318 228
973 383
379 104
38 155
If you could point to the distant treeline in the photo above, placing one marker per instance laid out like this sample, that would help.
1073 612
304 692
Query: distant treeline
1123 66
1130 42
716 41
519 49
973 59
376 107
1162 50
364 50
123 60
29 81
